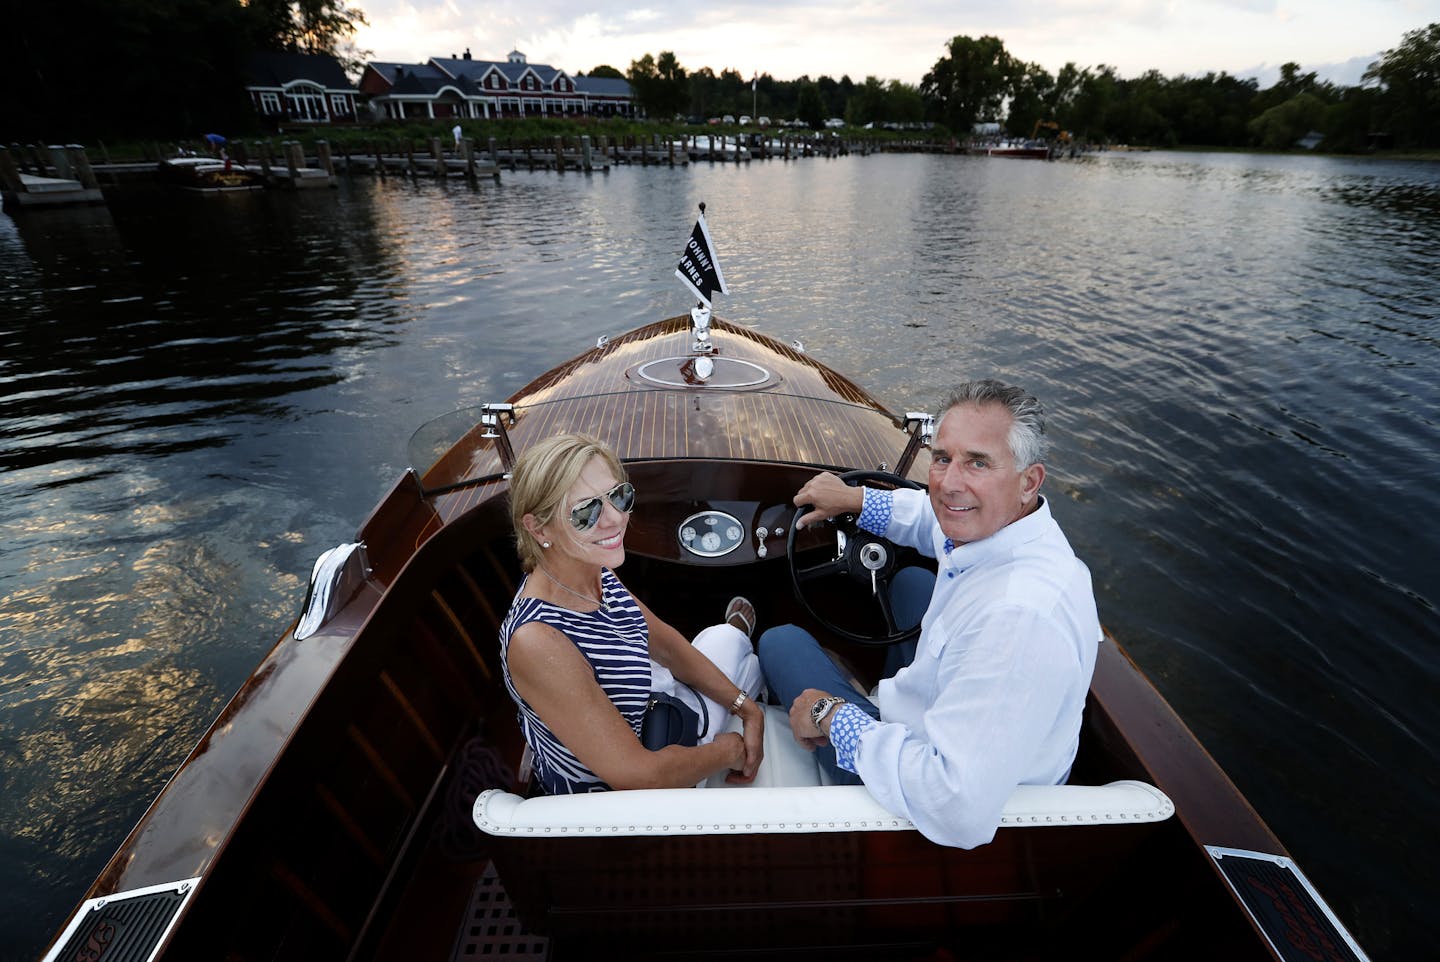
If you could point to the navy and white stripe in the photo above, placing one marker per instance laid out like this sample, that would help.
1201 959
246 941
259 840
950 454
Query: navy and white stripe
616 642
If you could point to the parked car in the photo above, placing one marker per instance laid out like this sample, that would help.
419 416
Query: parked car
834 122
744 120
763 121
729 118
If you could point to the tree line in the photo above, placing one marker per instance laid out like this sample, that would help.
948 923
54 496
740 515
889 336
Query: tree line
1397 103
139 68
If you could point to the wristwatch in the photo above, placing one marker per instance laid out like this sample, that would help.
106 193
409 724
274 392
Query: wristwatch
823 707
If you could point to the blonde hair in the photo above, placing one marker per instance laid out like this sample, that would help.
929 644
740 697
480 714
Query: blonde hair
542 475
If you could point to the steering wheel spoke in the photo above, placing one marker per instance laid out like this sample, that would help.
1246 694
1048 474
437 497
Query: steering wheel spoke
825 569
887 610
869 561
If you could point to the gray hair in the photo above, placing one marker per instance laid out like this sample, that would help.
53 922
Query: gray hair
1028 443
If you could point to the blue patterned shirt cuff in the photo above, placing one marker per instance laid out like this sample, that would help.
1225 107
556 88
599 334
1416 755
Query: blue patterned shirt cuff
875 515
846 726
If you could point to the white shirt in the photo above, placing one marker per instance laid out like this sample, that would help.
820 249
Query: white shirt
994 696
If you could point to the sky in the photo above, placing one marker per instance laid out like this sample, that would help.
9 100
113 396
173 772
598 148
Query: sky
902 39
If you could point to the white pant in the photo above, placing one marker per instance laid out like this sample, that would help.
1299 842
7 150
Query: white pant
730 649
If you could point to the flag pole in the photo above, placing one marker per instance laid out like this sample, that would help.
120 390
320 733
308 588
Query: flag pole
700 305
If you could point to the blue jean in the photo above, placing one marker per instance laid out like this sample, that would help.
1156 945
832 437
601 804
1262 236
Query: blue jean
792 660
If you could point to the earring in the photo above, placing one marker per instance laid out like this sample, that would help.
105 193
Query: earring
544 544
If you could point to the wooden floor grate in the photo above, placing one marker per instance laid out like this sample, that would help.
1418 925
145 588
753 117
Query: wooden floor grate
491 929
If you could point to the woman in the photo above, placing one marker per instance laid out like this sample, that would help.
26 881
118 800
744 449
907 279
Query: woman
576 646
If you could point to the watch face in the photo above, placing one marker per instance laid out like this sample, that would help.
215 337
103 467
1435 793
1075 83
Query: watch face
818 710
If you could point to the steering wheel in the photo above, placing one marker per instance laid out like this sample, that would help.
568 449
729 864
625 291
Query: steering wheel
868 560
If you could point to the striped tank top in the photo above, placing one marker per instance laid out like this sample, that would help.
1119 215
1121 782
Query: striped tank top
616 642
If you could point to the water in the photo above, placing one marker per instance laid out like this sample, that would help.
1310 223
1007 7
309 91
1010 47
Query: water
198 395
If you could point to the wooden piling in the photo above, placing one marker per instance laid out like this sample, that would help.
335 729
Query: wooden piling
60 162
289 149
80 166
9 172
322 153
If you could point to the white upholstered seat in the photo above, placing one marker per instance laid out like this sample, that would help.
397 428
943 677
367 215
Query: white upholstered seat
788 796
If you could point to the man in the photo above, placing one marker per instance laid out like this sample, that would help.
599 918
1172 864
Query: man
993 696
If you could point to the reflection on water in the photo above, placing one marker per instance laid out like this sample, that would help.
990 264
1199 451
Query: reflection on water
198 395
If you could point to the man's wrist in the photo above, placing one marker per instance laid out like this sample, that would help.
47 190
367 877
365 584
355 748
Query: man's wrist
823 710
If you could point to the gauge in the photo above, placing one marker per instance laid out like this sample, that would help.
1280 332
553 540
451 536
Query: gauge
710 534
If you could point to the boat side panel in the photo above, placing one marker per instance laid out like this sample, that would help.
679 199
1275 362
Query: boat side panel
329 834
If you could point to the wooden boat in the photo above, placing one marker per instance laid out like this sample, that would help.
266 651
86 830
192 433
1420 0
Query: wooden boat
208 174
362 796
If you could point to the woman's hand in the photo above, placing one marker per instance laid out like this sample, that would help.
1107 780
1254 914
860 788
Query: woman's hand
736 741
752 717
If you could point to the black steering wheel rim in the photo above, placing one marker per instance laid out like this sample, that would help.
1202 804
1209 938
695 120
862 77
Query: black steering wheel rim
861 556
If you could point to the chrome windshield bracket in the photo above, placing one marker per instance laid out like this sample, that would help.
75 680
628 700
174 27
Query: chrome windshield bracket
496 418
922 433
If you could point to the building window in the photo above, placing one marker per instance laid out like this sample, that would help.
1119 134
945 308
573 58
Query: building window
269 103
305 103
339 105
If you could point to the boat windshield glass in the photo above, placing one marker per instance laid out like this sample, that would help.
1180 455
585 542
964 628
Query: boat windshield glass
466 446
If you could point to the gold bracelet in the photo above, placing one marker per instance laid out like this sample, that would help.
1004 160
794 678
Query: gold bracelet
738 703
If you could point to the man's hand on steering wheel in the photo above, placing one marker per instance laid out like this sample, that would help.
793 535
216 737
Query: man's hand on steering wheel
827 496
867 560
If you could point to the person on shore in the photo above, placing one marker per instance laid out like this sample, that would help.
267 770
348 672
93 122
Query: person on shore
577 647
993 693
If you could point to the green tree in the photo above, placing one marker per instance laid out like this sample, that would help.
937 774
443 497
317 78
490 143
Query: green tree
1088 113
1409 78
307 26
659 84
606 71
177 69
809 108
868 104
1282 125
970 82
903 103
1030 100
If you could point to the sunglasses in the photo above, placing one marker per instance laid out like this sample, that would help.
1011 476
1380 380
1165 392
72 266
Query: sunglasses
586 514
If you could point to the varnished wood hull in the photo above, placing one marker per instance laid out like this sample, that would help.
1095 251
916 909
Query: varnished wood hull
326 812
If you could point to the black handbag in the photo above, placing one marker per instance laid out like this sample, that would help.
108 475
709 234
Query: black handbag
669 721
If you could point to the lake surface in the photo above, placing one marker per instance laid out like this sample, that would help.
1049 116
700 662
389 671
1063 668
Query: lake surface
198 395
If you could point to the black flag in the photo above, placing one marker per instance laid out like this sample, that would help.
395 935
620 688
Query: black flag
699 270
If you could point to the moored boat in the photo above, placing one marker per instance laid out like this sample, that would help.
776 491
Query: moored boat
1024 150
363 795
208 174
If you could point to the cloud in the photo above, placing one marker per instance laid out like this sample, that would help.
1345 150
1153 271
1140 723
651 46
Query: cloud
902 39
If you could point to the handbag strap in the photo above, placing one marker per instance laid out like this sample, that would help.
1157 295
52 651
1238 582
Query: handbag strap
704 712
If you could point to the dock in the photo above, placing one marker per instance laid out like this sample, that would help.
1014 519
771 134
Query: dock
74 181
